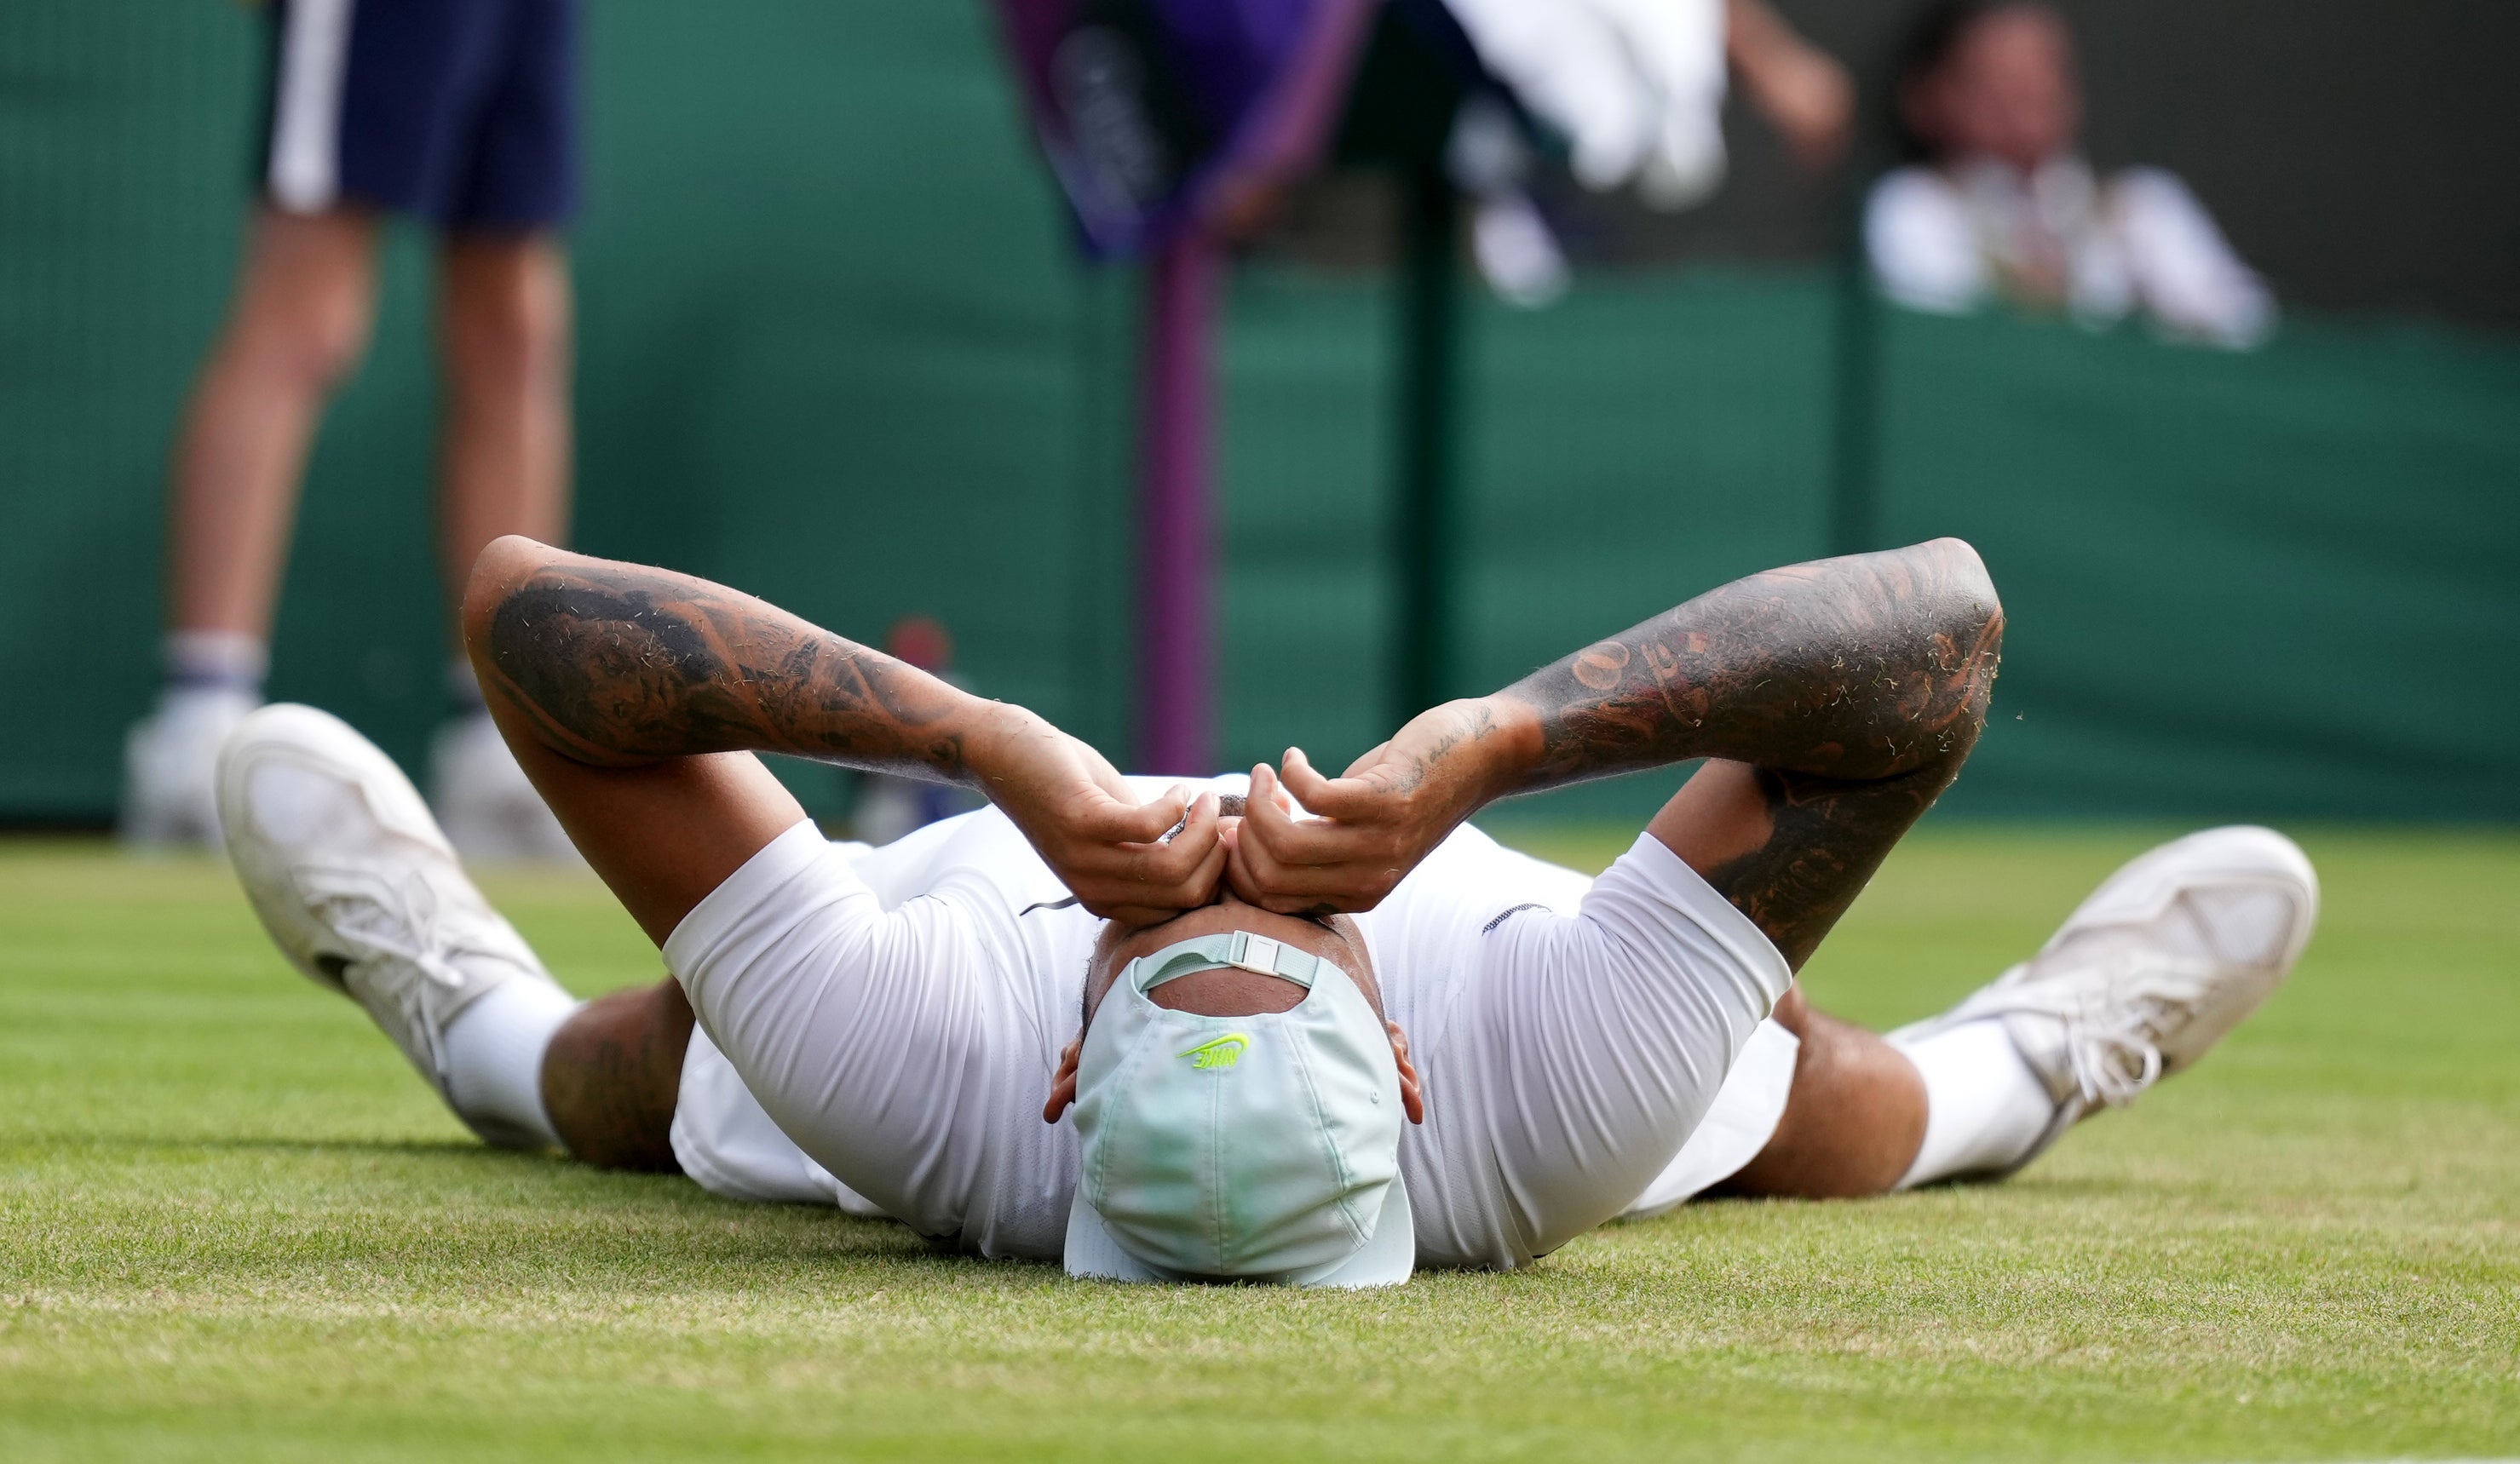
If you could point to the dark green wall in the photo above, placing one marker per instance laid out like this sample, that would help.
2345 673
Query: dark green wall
832 350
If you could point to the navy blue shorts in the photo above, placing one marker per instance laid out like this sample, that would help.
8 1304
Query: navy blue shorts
463 112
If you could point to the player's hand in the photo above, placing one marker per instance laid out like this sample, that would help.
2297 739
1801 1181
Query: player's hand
1111 851
1372 824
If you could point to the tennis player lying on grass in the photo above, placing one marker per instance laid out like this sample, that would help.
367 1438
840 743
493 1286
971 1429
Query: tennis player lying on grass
1186 1033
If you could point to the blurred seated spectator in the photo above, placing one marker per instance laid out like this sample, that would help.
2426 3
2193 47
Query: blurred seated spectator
2002 204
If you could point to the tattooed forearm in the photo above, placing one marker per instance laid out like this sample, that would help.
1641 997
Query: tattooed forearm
1860 668
619 663
1835 700
1824 838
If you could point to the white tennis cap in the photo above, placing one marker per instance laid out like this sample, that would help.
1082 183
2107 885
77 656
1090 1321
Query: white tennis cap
1250 1148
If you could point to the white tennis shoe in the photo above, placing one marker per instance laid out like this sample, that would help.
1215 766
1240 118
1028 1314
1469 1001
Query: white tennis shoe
2166 956
358 886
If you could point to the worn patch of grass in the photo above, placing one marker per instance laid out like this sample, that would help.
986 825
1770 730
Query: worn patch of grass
232 1225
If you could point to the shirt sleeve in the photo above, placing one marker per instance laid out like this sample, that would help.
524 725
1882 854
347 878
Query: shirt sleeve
870 1036
1600 1039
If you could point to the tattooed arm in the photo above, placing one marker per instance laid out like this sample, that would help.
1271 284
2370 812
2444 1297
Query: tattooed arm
1849 690
619 665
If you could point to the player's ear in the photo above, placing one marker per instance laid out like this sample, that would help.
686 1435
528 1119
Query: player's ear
1412 1092
1062 1084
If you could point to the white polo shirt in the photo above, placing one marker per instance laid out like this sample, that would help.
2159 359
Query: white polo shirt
878 1027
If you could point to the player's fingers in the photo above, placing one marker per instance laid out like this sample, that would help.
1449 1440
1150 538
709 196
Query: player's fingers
1239 876
1358 797
1199 886
1254 870
1301 778
1279 795
1115 821
1365 831
1291 840
1263 879
1290 889
1174 860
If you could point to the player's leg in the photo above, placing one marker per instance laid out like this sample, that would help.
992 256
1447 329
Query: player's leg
359 889
1853 1118
2164 959
503 337
299 322
611 1076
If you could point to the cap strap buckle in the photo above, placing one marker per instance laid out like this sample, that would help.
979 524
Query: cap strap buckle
1260 955
1238 950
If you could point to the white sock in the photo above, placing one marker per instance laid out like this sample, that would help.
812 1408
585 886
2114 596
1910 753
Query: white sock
229 660
494 1059
1983 1108
204 710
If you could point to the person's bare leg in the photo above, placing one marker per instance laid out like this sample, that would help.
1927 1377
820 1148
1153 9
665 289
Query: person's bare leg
305 303
611 1076
503 326
504 333
1853 1120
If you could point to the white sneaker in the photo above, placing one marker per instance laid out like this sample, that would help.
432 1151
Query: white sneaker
170 769
2167 955
487 805
359 888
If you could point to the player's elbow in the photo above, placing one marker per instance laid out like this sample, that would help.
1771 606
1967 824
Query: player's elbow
1962 592
1959 644
1970 610
508 564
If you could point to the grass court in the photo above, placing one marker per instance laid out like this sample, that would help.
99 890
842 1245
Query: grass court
233 1225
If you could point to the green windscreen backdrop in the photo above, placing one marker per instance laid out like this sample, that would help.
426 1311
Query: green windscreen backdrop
832 348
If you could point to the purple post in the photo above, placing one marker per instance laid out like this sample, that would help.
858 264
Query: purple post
1175 538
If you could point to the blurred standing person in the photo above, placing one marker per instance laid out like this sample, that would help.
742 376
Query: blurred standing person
2002 204
460 115
1635 90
